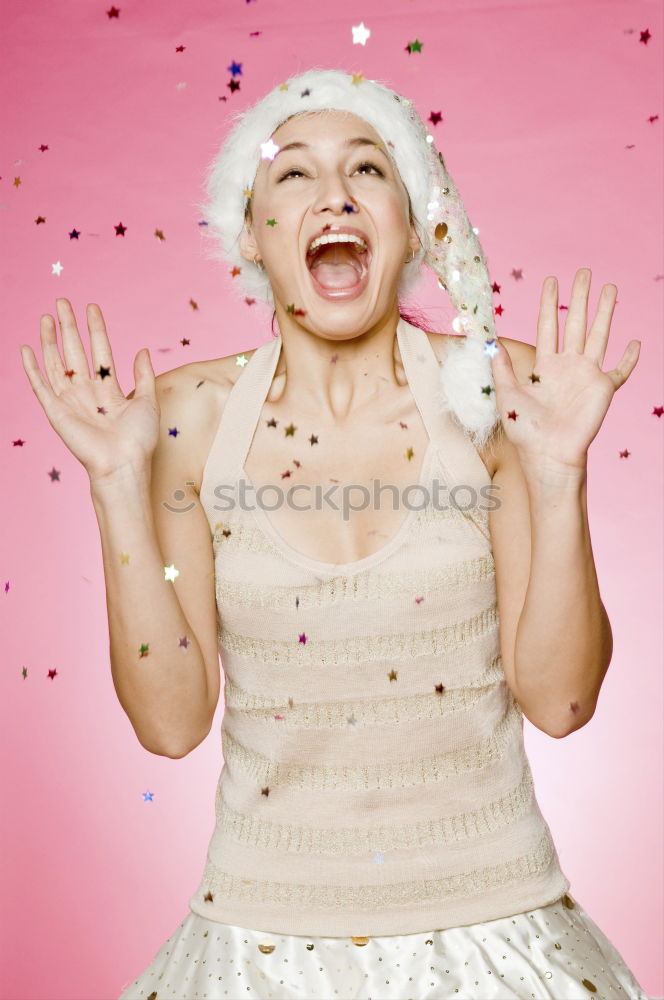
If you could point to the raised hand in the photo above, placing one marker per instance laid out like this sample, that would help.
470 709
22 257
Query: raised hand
554 420
100 426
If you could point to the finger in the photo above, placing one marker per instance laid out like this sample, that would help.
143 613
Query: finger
598 337
102 356
625 366
53 365
74 353
547 323
574 338
40 387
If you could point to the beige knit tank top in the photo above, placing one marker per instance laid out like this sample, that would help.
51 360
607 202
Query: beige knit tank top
374 776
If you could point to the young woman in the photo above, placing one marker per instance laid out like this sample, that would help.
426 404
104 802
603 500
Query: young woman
395 567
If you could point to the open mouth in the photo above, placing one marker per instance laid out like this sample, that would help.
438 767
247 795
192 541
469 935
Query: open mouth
339 270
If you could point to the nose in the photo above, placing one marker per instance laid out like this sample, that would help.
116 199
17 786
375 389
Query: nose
332 193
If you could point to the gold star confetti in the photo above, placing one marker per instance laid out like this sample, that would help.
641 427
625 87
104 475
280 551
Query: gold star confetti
409 453
124 558
357 78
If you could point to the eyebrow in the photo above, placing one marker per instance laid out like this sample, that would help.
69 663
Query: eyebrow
359 140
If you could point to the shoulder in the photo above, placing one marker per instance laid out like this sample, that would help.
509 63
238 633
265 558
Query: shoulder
521 355
191 398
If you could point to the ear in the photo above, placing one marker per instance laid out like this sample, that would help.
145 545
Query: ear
248 245
414 240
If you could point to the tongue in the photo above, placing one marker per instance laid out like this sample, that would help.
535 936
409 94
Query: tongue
336 266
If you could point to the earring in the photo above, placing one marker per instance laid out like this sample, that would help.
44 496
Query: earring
259 263
410 259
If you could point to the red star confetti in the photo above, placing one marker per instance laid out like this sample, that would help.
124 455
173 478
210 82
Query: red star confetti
658 411
52 674
113 12
435 117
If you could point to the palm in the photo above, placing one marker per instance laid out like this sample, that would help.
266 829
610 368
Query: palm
102 428
556 418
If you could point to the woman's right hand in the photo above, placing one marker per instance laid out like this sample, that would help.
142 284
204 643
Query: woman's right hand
100 426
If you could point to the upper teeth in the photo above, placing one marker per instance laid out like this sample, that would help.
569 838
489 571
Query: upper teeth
337 238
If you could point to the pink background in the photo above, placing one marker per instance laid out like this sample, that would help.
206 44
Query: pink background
545 131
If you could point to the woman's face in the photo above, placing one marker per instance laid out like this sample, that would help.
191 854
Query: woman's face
308 190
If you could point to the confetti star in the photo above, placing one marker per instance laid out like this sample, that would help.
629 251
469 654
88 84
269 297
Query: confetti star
286 475
271 222
113 12
184 642
173 432
290 430
102 410
490 348
170 572
124 558
74 234
235 271
207 898
409 453
18 443
415 46
357 78
495 287
43 148
348 208
269 150
511 414
265 791
313 439
179 48
533 377
103 372
440 688
305 93
645 36
517 273
159 233
271 422
52 674
148 796
657 411
625 453
120 230
235 68
233 85
54 474
250 302
247 192
40 220
25 673
486 390
303 638
499 310
144 649
241 360
185 343
57 269
435 117
360 34
418 600
392 675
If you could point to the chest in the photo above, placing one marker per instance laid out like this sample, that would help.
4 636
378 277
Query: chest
336 494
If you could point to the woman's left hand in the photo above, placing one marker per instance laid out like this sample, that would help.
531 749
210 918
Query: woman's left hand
552 422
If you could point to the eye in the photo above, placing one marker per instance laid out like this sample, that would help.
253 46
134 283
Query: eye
365 163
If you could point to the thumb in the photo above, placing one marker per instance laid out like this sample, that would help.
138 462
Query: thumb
144 372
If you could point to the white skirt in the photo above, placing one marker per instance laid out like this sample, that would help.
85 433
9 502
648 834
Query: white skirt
554 952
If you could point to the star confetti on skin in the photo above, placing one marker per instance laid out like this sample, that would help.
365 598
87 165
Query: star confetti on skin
360 33
148 796
101 409
415 46
170 572
52 674
271 422
124 558
286 475
295 312
409 453
313 439
534 378
70 373
247 192
271 222
241 360
348 209
173 432
403 426
302 638
184 643
54 474
144 649
120 230
269 150
235 69
624 454
435 117
511 414
103 372
290 430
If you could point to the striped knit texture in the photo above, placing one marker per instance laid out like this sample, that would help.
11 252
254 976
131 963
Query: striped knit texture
374 777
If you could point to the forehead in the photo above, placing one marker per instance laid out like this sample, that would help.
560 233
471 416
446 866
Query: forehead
323 126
